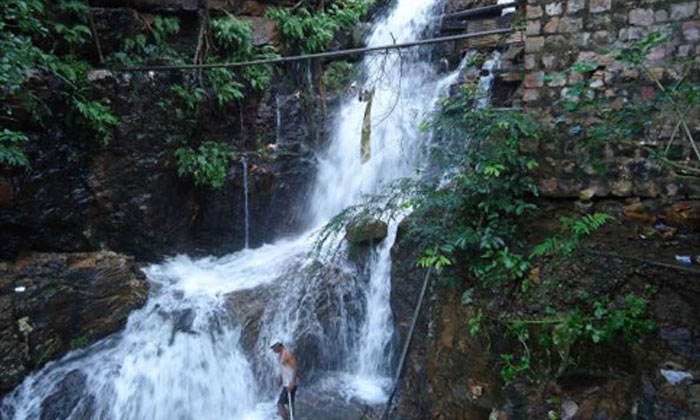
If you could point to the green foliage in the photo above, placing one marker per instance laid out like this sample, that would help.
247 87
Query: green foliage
98 117
314 31
233 35
571 336
338 75
473 219
79 342
10 152
78 8
224 85
234 39
142 48
33 46
164 28
568 239
208 164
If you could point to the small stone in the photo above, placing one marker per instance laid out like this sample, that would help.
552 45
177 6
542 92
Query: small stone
661 16
549 61
642 17
602 37
24 326
568 409
647 93
657 54
575 78
569 25
100 74
684 50
533 12
554 9
632 33
533 27
531 95
574 6
621 188
588 57
535 79
583 38
599 6
534 44
552 26
597 83
691 31
683 11
530 62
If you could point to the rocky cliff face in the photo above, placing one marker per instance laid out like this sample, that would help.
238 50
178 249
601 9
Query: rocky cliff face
81 195
52 303
452 374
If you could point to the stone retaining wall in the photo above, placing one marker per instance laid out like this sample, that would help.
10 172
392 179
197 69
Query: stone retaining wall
560 33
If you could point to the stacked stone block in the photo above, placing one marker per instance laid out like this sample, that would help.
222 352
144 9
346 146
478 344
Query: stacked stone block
560 33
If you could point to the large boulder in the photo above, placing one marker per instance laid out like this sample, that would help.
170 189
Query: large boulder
51 303
320 305
69 399
366 231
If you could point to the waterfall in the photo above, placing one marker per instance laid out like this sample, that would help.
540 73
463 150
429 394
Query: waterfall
244 162
278 116
485 86
199 347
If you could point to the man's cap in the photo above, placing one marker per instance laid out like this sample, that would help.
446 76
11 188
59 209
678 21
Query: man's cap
275 342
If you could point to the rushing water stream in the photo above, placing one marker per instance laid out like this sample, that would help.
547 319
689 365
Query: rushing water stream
198 349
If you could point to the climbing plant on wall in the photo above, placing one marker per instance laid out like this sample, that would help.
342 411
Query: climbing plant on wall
596 119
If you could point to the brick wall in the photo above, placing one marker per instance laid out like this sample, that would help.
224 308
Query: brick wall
560 33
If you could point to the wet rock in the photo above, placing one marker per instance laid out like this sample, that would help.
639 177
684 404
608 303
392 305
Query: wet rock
50 303
684 215
69 399
328 314
113 26
365 231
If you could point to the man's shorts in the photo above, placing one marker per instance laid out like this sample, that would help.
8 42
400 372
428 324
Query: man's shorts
283 399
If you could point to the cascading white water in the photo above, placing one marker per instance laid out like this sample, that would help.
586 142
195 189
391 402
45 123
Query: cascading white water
185 356
278 121
485 86
246 211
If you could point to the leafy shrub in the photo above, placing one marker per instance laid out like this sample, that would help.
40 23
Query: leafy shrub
568 337
10 152
314 31
30 45
338 75
574 230
208 164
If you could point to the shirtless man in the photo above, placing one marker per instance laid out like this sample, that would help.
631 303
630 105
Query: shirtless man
287 379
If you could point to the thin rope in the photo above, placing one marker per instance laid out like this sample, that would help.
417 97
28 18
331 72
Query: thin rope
328 54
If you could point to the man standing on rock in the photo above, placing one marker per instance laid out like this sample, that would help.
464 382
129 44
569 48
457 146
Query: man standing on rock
287 379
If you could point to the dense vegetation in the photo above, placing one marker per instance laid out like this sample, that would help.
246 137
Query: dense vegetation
53 43
33 45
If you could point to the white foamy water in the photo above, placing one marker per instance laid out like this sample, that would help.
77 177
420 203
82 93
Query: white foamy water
198 349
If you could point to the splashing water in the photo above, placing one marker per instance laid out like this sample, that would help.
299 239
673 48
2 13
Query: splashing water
198 349
278 120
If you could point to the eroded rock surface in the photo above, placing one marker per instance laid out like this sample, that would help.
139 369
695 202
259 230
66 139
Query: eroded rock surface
50 303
